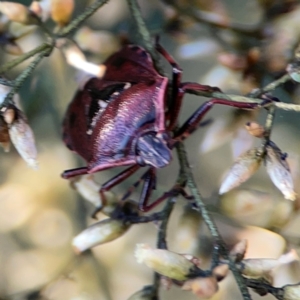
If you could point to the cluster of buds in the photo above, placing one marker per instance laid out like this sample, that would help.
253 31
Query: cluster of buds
108 229
183 270
14 127
248 163
59 10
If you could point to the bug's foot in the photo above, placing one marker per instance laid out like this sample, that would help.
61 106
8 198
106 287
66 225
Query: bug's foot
95 212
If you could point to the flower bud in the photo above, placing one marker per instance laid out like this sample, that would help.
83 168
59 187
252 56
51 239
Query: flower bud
202 287
145 294
21 136
4 136
12 48
17 12
99 42
220 272
164 262
239 250
41 8
245 166
233 61
255 129
99 233
89 190
61 11
279 171
291 292
260 267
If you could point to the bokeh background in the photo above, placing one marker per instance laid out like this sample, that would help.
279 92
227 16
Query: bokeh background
40 213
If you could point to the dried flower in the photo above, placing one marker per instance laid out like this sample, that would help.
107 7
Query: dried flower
17 12
4 136
61 11
245 166
164 262
99 233
202 287
279 171
21 135
255 129
238 251
233 61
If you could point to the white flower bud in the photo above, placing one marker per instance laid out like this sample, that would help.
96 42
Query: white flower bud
164 262
99 233
258 267
291 292
279 171
245 166
22 137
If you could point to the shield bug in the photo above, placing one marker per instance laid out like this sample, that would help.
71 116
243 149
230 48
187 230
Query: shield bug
127 118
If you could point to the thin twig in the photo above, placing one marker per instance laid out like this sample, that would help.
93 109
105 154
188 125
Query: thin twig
9 65
6 82
142 29
182 156
76 23
23 76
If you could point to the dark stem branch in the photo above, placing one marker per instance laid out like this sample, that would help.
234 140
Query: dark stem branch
182 156
24 75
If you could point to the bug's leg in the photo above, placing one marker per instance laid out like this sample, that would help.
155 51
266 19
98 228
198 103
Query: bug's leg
135 185
149 185
192 123
74 172
108 185
177 91
174 106
173 192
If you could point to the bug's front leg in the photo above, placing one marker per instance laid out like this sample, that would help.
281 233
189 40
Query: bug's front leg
178 89
193 121
113 182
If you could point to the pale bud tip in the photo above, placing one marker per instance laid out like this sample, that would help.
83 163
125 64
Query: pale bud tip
141 252
32 163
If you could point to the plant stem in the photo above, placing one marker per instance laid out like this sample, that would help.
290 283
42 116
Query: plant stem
142 29
6 82
9 65
182 156
81 18
23 76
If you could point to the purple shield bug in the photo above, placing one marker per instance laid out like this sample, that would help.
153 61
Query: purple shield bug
127 119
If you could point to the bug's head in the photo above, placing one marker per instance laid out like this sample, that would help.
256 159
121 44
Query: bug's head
152 149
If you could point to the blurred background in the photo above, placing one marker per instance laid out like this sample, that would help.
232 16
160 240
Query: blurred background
235 45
